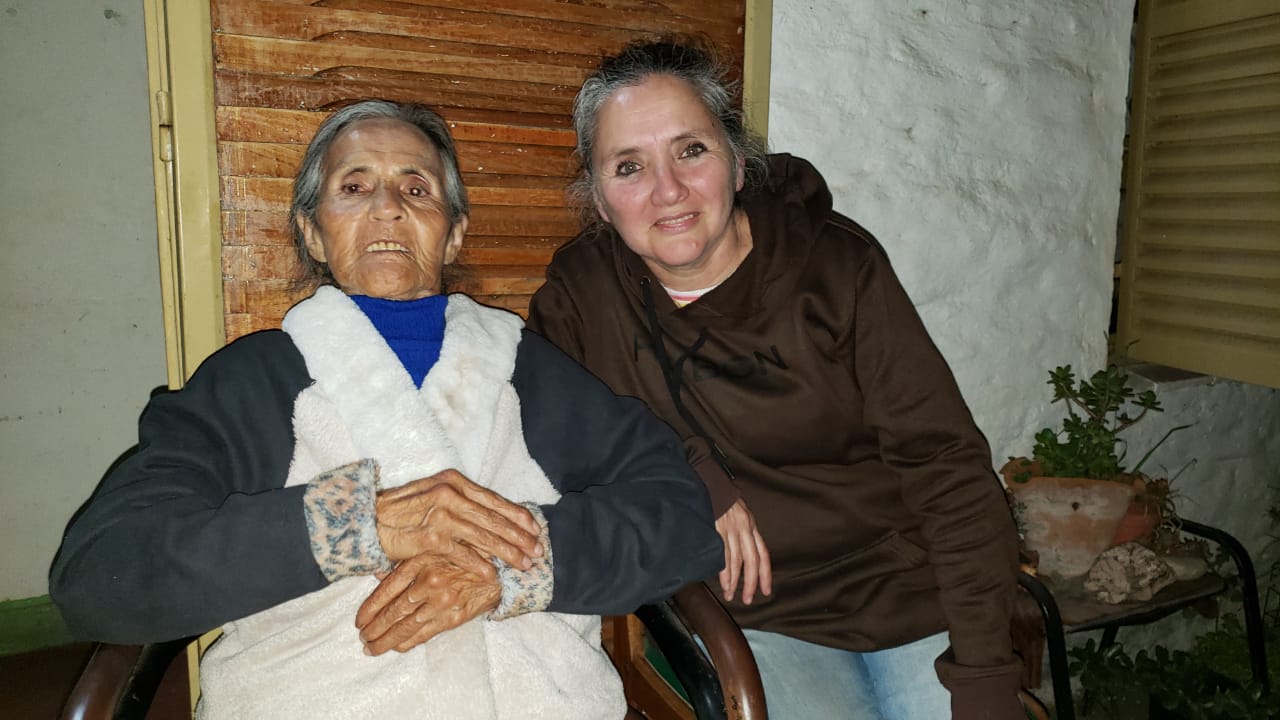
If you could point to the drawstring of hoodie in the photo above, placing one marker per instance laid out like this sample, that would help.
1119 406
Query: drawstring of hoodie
671 374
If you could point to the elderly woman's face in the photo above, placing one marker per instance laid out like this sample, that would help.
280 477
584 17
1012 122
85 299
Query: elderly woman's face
382 223
665 176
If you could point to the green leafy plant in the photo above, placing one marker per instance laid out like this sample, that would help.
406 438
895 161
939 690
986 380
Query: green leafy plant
1088 444
1112 689
1222 648
1176 685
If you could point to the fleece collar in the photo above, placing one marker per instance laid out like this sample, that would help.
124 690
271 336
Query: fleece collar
413 432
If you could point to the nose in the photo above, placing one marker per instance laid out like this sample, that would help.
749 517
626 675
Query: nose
668 187
386 204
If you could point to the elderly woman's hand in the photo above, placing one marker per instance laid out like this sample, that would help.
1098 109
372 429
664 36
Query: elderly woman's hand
450 518
423 597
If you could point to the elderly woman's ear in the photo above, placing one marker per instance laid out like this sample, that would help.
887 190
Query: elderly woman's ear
311 236
453 244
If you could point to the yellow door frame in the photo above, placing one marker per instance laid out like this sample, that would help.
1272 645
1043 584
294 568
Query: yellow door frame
757 59
180 76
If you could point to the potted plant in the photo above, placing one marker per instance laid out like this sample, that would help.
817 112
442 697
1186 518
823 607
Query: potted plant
1073 492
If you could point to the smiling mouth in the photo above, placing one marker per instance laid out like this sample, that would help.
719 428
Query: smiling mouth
385 246
676 221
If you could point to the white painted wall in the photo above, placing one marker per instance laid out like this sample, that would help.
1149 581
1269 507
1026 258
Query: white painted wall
981 141
79 282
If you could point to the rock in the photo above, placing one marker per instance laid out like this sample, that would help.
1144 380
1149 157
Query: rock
1128 572
1186 567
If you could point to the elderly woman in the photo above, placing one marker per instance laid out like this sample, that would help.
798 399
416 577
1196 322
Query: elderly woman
862 522
395 470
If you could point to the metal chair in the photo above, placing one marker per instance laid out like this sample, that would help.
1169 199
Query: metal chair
1066 614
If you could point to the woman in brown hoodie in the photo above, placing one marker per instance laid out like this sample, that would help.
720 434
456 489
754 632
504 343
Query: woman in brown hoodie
867 541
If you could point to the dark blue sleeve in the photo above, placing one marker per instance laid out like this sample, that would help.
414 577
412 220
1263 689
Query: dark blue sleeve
195 527
634 522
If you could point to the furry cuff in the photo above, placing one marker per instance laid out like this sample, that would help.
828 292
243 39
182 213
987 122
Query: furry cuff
341 518
526 591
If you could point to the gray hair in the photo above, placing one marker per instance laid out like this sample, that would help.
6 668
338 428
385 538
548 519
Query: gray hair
307 183
689 59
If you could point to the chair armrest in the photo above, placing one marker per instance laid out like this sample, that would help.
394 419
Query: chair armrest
120 681
728 684
691 666
101 683
735 664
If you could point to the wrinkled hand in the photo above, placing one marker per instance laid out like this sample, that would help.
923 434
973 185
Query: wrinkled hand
423 597
450 518
745 554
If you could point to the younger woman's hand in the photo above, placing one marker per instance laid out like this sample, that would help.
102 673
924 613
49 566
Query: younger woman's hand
745 554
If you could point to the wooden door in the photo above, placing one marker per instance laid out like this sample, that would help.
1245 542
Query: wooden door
502 72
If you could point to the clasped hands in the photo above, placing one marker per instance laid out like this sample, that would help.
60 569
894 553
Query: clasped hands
441 532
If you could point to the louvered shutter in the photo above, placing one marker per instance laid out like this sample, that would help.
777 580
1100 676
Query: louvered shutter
1200 287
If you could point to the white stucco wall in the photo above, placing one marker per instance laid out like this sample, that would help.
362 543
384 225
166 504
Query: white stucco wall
981 142
1227 464
79 281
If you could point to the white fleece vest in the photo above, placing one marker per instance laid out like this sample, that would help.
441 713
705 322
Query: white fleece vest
304 659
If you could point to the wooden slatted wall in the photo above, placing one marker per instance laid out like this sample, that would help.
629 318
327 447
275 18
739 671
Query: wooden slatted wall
502 72
1201 278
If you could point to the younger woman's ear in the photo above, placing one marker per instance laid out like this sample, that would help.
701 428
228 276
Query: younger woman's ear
600 206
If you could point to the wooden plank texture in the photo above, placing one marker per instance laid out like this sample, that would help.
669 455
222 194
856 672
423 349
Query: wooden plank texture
502 73
279 160
363 50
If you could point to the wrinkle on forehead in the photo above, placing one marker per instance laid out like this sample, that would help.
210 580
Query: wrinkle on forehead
382 137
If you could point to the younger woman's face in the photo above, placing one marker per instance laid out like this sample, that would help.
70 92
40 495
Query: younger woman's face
665 176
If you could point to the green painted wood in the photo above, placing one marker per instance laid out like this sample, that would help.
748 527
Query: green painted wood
31 624
659 663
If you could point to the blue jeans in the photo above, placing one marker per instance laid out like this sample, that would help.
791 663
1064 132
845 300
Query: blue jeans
804 681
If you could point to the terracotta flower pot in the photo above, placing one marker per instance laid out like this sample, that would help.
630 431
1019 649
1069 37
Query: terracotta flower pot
1138 522
1070 521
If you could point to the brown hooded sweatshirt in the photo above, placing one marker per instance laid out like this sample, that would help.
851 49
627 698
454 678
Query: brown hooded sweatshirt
841 423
